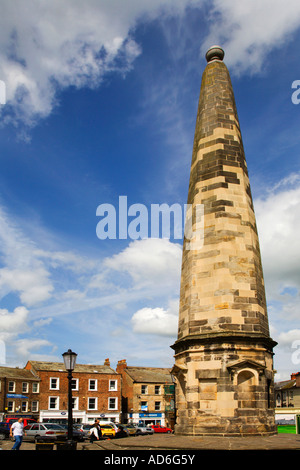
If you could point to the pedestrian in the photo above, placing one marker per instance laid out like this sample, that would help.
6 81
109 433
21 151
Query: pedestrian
17 430
120 432
95 432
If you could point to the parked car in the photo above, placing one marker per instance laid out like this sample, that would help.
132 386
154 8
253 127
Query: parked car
111 423
84 429
26 421
130 429
108 430
142 429
159 428
4 431
77 435
44 431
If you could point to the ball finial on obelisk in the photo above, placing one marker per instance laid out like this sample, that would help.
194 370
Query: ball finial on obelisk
214 53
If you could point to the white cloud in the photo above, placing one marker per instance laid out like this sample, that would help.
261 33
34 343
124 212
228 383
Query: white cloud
248 31
279 226
289 338
24 348
47 45
22 271
149 262
13 322
156 321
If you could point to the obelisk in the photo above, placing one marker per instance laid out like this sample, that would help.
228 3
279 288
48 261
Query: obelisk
224 353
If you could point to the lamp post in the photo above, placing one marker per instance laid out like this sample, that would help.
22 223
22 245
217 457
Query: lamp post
70 361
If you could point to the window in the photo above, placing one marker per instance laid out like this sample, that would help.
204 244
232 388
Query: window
157 390
24 406
11 386
10 406
112 403
278 400
75 403
25 387
144 405
93 384
157 406
53 403
74 384
92 403
54 383
34 406
113 385
144 389
35 387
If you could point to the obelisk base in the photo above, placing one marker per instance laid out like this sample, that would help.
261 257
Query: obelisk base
224 386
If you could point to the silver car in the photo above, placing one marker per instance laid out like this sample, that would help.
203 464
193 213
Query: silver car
84 428
142 429
44 431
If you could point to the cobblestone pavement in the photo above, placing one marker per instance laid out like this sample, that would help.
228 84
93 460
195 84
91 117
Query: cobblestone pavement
174 442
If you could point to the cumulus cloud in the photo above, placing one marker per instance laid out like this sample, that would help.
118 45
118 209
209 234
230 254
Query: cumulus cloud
279 227
46 46
156 321
24 347
22 271
149 262
13 322
289 338
248 31
278 224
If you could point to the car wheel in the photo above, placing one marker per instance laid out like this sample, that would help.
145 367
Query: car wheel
2 436
168 432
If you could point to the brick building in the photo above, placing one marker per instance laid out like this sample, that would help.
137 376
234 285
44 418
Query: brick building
96 391
147 394
287 399
19 392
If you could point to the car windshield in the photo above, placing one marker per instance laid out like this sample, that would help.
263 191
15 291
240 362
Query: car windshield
53 426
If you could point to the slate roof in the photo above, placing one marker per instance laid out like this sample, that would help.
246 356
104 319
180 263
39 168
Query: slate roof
150 374
84 368
286 384
16 373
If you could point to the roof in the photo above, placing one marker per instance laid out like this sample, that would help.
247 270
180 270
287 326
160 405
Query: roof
150 374
81 368
16 373
286 384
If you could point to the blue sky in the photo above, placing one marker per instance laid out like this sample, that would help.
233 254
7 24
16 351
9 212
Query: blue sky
101 102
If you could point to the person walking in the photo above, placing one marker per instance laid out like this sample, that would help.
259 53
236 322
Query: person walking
17 430
95 432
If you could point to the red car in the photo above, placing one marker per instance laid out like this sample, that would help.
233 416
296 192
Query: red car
159 428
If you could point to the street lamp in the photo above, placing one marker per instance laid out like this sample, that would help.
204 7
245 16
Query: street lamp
70 361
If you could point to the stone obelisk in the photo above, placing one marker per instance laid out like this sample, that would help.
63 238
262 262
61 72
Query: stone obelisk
224 353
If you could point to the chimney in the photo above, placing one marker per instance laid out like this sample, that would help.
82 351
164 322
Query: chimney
296 376
107 362
122 364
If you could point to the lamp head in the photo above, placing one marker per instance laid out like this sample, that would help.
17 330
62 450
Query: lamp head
69 359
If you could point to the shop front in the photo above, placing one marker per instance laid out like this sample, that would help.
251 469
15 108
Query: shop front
151 418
